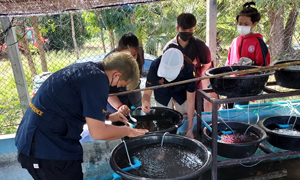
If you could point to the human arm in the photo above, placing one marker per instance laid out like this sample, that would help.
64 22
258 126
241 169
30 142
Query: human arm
146 99
205 82
117 116
190 113
100 130
190 99
152 80
227 63
203 62
115 102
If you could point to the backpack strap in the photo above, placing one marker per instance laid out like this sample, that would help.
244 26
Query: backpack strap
264 50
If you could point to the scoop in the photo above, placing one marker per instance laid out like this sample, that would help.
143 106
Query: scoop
283 126
130 125
132 118
228 132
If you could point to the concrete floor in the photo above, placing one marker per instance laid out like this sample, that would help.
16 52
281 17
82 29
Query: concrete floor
238 172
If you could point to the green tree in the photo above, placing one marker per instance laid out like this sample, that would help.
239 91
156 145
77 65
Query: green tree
58 30
114 20
282 16
278 23
155 23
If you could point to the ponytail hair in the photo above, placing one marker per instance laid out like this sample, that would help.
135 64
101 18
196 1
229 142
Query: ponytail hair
249 12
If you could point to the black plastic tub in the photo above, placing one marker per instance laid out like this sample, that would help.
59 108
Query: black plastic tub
237 150
159 120
238 86
288 77
137 145
281 140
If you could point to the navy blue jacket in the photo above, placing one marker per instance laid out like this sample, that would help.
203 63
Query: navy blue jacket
178 92
57 113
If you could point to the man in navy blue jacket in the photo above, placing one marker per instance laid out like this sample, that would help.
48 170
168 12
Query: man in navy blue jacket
48 136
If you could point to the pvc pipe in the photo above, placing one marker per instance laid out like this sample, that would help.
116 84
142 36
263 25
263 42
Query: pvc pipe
209 128
136 165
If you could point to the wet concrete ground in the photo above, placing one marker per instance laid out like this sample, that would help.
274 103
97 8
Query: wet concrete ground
238 172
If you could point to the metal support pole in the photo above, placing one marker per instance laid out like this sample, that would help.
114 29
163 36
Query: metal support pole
16 62
214 140
199 105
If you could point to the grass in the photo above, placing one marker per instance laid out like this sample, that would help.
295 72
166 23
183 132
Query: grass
10 107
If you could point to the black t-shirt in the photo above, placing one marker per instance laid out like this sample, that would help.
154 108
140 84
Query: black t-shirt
196 50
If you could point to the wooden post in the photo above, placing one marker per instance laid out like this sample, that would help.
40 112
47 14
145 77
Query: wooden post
211 41
73 36
16 62
211 28
39 43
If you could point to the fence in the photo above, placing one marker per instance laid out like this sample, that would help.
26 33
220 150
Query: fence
49 43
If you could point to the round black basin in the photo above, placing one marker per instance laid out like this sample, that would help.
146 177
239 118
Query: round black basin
243 147
288 77
284 138
180 158
238 86
159 120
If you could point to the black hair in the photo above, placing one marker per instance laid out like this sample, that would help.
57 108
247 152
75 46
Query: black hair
249 12
128 40
186 20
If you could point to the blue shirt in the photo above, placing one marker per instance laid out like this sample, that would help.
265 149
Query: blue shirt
178 92
57 113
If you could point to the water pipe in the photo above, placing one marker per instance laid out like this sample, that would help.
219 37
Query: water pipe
227 132
294 123
163 137
136 165
209 128
267 104
247 129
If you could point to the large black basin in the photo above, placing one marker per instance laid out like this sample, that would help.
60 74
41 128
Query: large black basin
288 77
237 150
281 140
238 86
172 166
159 120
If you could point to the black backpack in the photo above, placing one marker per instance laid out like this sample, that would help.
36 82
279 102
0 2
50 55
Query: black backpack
264 50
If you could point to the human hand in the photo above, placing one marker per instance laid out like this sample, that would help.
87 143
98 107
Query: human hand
137 132
118 116
190 134
124 109
146 106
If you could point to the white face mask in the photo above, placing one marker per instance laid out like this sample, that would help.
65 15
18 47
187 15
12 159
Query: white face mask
244 30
